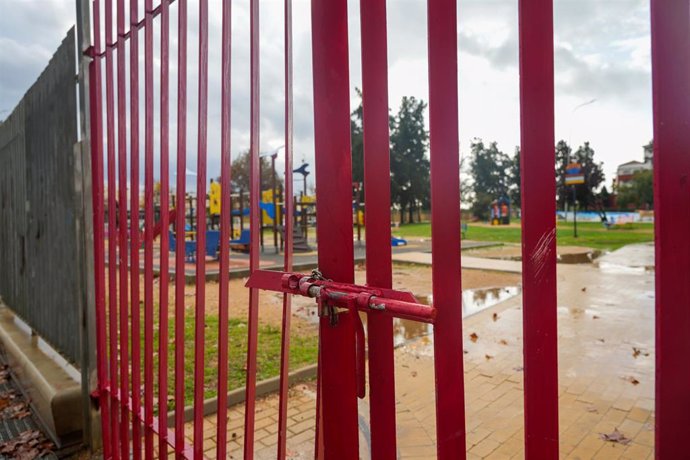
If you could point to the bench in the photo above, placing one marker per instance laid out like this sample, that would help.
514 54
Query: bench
212 242
242 243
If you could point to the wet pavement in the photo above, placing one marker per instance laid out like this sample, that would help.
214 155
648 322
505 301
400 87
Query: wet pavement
606 375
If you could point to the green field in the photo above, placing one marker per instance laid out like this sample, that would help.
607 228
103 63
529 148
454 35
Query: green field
590 234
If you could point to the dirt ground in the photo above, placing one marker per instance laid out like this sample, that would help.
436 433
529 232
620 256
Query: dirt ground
414 278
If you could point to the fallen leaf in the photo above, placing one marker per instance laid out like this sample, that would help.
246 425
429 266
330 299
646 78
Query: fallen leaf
503 342
474 337
413 373
584 289
636 352
601 340
632 380
495 317
615 437
595 317
488 357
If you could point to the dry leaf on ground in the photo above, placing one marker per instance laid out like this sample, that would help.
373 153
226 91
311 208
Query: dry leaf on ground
615 437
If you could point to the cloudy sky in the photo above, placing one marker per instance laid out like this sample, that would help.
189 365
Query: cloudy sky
602 53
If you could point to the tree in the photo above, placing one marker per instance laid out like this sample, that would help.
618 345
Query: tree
514 180
240 173
409 163
489 168
410 167
563 153
592 171
357 141
638 193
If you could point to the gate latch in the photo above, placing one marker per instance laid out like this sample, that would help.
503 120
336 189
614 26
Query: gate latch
331 296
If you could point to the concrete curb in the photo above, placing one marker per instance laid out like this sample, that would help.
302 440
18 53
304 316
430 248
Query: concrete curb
238 395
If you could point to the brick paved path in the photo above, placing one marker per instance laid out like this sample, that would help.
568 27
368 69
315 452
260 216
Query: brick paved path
606 367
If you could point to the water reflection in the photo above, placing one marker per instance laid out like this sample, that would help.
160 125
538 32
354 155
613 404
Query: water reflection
473 301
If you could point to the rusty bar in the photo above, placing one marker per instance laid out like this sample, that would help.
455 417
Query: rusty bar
122 227
378 222
225 235
445 229
164 225
255 230
95 95
112 232
538 228
337 429
287 228
180 193
135 241
671 98
148 230
200 310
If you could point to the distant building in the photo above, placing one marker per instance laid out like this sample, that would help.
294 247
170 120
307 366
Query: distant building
626 171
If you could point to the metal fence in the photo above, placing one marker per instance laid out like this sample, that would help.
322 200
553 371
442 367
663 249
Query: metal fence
135 391
41 208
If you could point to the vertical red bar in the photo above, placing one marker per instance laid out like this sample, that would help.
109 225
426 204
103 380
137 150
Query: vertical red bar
377 203
134 226
225 206
671 97
148 229
288 207
122 226
538 228
445 229
337 429
180 193
165 225
255 229
95 92
200 310
112 231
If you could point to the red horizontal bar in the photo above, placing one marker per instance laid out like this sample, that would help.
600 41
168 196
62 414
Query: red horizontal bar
168 435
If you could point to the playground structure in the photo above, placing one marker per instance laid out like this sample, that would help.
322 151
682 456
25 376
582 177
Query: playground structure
272 219
499 211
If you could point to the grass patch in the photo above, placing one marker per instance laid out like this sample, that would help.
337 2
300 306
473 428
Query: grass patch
303 351
590 234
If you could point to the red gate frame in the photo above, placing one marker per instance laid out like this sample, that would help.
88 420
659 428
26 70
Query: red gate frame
120 404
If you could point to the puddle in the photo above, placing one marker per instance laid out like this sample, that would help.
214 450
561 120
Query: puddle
473 301
620 269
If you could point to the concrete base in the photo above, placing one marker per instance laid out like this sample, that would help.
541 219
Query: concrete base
238 396
55 395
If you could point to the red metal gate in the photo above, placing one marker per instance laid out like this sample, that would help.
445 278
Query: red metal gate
133 425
